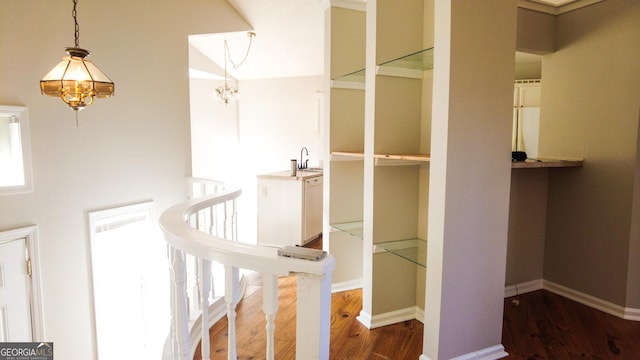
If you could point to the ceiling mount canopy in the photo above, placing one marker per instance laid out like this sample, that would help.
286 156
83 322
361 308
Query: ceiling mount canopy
76 80
228 93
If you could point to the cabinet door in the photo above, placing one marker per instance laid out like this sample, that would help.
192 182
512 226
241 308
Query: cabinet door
279 212
312 224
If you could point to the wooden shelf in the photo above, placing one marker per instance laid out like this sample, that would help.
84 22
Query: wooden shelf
416 159
383 159
546 163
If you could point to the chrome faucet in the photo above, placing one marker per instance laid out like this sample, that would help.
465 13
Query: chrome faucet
305 164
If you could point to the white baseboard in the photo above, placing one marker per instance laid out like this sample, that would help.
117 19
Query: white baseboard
592 301
585 299
365 318
346 285
490 353
522 288
392 317
631 314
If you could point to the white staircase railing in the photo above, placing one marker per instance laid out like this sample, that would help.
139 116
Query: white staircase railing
204 229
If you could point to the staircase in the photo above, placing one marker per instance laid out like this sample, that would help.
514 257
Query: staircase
201 235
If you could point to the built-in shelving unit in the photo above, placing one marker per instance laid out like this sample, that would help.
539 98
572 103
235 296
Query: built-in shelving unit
390 192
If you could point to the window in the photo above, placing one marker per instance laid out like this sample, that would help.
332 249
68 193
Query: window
130 283
15 156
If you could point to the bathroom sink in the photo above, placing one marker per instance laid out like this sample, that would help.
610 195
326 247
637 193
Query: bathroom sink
312 169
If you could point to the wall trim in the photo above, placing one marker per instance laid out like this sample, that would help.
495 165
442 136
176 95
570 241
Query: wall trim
541 6
490 353
592 301
357 5
584 299
365 318
392 317
522 288
346 285
30 234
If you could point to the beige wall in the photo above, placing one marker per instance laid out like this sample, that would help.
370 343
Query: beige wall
527 225
130 148
633 281
536 32
590 107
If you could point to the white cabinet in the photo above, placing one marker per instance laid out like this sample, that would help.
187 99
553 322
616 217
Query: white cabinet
289 208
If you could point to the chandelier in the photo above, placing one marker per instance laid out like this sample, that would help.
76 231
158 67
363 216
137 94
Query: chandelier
76 80
228 93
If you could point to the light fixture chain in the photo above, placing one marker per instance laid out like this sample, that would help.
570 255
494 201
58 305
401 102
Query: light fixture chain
228 53
74 13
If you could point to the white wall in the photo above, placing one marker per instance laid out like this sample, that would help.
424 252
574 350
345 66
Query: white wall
275 119
130 148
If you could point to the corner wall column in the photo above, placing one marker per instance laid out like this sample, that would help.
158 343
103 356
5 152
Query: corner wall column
469 178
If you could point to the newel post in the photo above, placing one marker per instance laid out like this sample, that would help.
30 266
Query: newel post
313 319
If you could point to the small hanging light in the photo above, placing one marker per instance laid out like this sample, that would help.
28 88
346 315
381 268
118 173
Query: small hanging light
228 93
76 80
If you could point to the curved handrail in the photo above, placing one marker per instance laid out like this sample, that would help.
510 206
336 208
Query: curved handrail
180 235
313 303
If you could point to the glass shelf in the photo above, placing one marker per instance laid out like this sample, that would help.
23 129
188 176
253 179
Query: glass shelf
414 250
352 228
421 60
356 76
418 61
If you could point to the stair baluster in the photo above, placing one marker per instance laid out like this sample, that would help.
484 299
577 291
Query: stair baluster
270 307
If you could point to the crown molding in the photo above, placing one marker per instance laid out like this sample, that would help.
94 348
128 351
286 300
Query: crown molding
546 7
357 5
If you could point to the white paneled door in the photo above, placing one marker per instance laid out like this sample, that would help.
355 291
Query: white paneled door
15 294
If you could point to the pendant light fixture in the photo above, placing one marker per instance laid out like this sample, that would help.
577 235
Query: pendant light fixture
76 80
228 93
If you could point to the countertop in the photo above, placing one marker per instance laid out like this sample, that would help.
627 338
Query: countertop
285 175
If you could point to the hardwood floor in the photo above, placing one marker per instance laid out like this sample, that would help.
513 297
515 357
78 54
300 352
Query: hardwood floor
543 325
537 325
349 338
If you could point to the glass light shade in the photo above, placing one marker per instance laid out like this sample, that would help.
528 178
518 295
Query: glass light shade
76 80
226 93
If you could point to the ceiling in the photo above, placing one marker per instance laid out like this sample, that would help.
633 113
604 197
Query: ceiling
289 39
